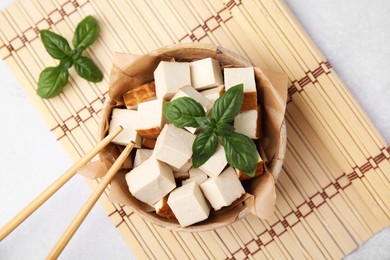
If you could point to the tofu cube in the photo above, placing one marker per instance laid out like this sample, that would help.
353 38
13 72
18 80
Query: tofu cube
248 123
235 76
150 181
127 119
214 93
246 76
150 118
162 208
188 204
141 155
216 163
206 73
184 168
170 76
188 91
174 146
196 175
139 94
223 190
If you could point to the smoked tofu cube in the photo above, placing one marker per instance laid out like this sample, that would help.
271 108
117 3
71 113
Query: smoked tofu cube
216 163
141 155
181 176
206 73
162 208
245 76
196 175
223 190
150 118
170 76
150 181
248 123
139 94
174 146
127 119
214 93
148 143
188 204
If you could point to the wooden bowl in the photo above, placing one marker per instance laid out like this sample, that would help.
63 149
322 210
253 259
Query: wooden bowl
190 52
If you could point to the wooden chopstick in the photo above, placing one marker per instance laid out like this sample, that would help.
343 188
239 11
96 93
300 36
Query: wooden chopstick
82 214
56 185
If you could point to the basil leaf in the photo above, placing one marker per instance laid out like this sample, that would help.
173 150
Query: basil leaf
86 33
241 153
224 129
51 81
205 122
56 45
227 106
182 112
76 53
204 146
66 63
87 69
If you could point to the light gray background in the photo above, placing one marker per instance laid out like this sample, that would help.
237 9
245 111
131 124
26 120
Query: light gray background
353 35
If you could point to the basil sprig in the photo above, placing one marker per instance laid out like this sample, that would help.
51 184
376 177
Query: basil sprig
240 150
182 112
56 45
52 80
86 33
204 146
228 105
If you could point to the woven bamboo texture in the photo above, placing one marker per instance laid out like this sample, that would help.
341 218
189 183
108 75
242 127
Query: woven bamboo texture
333 192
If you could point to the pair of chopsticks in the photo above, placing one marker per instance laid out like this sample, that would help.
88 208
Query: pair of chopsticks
56 185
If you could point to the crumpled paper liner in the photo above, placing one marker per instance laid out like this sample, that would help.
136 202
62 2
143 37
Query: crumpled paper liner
129 71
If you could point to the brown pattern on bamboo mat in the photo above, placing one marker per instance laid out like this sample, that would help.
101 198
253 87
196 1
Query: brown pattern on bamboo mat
303 210
81 117
70 7
119 214
316 200
311 77
211 24
32 33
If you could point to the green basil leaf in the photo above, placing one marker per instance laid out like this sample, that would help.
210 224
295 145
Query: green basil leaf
227 106
224 129
182 112
204 146
87 69
205 122
241 153
51 82
66 63
86 33
76 53
56 45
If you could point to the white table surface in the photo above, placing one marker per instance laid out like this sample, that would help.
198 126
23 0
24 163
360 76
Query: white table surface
353 35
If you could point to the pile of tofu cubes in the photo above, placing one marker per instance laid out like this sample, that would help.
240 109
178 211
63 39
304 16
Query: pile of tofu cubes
162 174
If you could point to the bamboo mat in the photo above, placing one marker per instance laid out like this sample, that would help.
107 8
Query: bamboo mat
333 193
